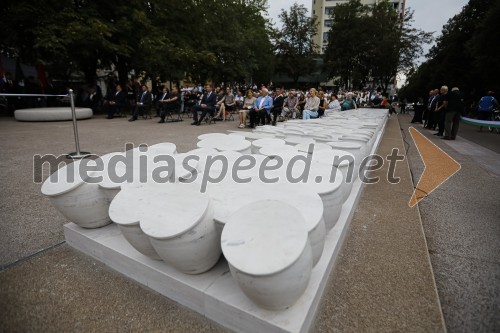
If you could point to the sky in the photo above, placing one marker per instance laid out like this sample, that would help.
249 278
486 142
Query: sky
430 15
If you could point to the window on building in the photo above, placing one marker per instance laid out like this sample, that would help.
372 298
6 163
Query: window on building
325 37
328 10
328 23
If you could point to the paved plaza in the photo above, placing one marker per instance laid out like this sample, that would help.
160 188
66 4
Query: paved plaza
431 268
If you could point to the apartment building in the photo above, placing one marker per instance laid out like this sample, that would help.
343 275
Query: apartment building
322 9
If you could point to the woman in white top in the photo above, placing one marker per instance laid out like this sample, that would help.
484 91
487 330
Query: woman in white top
247 106
333 105
312 105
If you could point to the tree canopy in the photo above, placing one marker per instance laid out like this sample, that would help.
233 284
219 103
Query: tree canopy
371 43
294 44
221 40
465 55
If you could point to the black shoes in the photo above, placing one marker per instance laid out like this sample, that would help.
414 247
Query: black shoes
161 121
132 119
109 117
446 138
194 123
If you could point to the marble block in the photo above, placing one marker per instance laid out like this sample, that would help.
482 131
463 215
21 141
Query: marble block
269 254
79 200
52 114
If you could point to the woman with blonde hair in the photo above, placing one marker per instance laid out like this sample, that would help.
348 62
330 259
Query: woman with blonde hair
312 105
247 106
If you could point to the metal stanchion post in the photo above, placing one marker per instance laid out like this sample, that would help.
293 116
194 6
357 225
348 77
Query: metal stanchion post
78 154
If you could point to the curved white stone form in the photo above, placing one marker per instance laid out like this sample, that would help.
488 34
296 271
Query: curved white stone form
250 136
112 171
317 146
323 179
228 197
51 114
126 211
178 220
216 165
278 150
344 161
75 197
364 141
223 144
257 144
327 181
295 140
351 147
185 167
269 255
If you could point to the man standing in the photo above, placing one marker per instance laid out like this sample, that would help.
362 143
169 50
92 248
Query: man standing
454 106
440 110
207 105
144 104
431 106
262 108
279 99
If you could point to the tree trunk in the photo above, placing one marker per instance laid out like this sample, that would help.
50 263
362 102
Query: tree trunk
90 70
122 68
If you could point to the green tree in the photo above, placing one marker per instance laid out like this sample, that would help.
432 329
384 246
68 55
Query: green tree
159 39
347 52
371 43
294 43
465 55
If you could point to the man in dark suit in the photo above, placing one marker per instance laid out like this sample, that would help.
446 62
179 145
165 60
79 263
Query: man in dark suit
170 103
145 100
207 105
116 102
160 101
278 101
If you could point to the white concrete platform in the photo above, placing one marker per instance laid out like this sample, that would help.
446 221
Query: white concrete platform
51 114
214 294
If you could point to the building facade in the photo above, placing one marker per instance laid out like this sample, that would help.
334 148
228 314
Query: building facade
323 8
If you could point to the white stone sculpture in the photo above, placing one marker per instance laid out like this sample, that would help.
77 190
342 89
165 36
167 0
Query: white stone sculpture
269 255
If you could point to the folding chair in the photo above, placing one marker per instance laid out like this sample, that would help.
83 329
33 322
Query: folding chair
169 118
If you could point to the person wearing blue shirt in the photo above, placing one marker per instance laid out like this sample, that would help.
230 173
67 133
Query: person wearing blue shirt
261 108
485 108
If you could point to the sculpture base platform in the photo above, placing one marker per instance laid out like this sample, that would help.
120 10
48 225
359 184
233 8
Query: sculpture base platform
214 294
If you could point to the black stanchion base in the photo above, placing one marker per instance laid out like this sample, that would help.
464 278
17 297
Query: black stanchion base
77 156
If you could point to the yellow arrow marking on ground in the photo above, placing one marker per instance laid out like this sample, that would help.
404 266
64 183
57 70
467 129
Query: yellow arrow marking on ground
439 166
